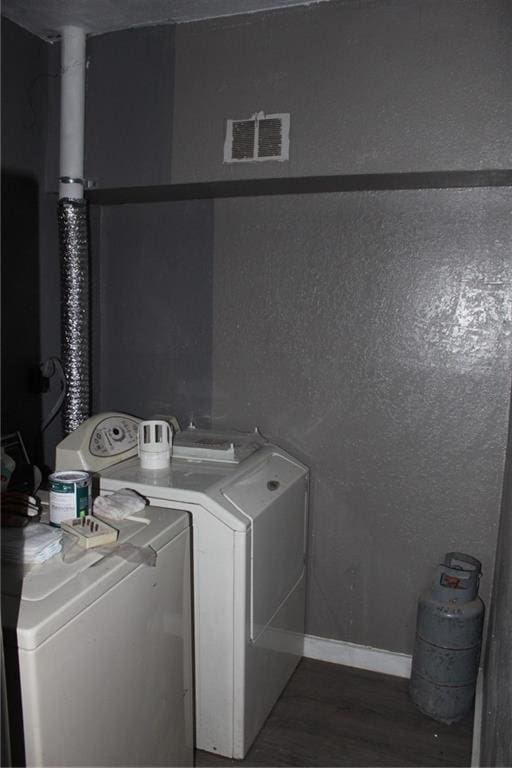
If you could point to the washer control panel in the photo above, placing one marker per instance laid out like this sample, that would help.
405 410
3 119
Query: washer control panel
98 442
113 435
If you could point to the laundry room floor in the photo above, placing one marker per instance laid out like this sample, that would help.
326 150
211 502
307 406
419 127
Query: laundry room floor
330 715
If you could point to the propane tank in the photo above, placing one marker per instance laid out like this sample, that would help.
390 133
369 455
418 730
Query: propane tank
448 640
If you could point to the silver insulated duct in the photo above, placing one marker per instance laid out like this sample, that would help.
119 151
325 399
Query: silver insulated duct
74 261
73 232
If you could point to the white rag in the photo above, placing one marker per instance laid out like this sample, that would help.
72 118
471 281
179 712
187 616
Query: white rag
35 543
119 505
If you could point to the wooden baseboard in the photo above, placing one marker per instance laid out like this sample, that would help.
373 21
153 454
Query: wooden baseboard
358 656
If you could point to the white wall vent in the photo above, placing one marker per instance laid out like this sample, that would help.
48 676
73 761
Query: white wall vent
261 137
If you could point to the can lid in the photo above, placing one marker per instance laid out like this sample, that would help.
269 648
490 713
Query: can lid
68 477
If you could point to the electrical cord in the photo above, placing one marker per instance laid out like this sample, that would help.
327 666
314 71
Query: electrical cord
50 367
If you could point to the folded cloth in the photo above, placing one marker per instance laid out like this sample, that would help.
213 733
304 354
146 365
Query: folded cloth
35 543
119 505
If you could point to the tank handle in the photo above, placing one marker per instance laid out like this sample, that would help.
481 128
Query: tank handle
461 561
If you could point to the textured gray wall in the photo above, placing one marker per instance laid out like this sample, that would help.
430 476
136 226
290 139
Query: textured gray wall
379 86
370 333
153 264
129 107
50 317
29 295
497 705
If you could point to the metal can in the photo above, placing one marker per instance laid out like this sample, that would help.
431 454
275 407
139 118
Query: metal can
69 496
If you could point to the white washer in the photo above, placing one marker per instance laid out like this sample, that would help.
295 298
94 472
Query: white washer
103 647
248 501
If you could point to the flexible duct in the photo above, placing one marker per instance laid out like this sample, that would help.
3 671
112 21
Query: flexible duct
74 249
73 232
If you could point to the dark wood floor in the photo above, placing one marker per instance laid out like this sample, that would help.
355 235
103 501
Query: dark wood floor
330 715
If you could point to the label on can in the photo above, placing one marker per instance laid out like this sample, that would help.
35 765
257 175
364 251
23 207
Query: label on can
69 496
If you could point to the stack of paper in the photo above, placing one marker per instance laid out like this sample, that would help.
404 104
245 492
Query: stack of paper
35 543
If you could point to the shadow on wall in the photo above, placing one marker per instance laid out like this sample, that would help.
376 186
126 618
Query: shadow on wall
21 396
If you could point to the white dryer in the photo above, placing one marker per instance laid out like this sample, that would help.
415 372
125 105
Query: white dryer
248 503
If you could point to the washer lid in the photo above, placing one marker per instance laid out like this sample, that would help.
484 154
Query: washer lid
38 600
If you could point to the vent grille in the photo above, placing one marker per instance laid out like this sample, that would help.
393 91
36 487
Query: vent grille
262 137
269 137
244 133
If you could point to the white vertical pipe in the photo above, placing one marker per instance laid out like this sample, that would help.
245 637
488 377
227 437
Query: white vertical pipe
72 111
73 234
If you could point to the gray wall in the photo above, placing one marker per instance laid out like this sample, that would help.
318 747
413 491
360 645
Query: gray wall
497 705
370 333
29 288
152 264
50 331
153 267
371 87
129 107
